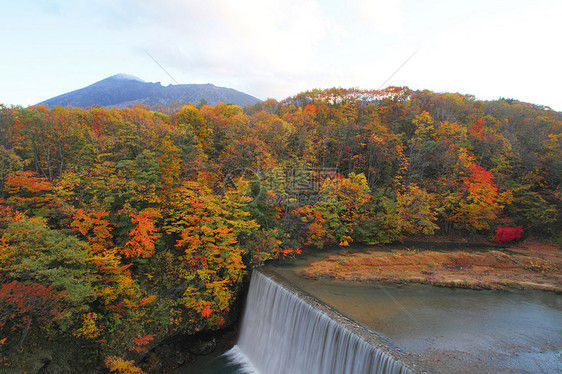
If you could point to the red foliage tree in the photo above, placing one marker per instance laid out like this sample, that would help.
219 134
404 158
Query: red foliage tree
22 303
506 234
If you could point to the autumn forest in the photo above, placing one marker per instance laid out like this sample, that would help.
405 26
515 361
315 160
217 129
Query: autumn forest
120 228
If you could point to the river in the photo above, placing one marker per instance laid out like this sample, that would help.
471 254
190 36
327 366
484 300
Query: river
452 330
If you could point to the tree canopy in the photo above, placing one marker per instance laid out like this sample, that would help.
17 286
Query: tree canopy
120 227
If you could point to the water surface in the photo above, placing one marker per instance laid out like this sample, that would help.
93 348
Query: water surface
454 330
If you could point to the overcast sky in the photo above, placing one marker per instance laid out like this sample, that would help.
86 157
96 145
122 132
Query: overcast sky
275 49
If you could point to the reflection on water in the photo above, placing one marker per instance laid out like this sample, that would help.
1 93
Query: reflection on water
212 364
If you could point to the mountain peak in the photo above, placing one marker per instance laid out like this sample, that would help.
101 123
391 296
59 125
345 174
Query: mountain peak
128 77
126 90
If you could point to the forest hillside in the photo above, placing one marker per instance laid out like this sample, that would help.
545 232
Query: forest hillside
120 228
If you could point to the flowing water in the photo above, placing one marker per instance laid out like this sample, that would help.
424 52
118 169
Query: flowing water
282 333
451 330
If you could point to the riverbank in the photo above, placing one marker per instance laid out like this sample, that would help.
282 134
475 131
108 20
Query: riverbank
528 265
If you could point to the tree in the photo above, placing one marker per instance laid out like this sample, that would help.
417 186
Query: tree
141 240
25 190
33 252
190 118
334 218
9 163
22 304
415 209
210 260
474 202
505 233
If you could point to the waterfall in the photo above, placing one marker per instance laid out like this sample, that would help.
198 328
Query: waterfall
285 331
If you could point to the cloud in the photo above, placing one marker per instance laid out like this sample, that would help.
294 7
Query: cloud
384 16
248 41
492 52
277 48
264 47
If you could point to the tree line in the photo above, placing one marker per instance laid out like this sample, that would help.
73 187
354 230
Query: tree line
121 227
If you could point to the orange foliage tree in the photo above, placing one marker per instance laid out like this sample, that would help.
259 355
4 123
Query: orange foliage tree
141 240
211 264
25 190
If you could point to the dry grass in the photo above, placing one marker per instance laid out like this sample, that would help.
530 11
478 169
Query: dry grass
537 267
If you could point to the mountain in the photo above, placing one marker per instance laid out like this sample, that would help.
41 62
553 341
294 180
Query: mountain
124 90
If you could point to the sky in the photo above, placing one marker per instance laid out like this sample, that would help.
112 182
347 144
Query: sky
275 49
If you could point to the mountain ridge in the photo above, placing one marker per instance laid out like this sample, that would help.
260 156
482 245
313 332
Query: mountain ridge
126 90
